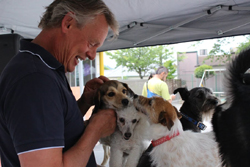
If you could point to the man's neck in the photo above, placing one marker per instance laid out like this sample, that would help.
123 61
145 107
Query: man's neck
157 76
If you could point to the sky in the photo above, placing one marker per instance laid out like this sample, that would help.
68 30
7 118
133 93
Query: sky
187 47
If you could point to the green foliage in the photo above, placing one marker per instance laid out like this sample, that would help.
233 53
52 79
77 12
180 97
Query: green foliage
141 59
181 56
219 54
171 68
106 68
162 52
244 45
198 72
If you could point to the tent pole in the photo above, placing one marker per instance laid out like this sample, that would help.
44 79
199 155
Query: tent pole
101 63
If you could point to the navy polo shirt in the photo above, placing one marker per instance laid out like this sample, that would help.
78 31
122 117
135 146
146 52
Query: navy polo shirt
37 107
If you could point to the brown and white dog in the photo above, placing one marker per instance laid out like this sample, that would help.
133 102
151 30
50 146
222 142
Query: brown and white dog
173 146
128 139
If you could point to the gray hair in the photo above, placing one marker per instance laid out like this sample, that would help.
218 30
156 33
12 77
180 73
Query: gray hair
161 69
83 11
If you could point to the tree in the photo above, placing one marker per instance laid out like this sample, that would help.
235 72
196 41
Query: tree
222 55
244 45
141 59
218 53
163 53
171 68
199 71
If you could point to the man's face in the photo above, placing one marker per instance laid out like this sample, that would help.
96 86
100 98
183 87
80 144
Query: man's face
164 76
83 42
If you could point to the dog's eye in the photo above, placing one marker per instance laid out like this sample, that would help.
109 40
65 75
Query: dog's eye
150 102
122 120
111 94
124 91
199 95
134 121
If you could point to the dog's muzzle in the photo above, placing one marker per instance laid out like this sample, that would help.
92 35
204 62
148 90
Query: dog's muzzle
125 102
127 135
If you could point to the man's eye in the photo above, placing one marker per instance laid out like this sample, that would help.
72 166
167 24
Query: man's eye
91 45
111 94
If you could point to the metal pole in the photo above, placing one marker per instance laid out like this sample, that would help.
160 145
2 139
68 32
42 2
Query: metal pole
80 69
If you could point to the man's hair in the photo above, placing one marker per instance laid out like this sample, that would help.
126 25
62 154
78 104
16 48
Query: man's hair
83 11
161 69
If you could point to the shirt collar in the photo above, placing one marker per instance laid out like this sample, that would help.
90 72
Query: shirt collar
44 55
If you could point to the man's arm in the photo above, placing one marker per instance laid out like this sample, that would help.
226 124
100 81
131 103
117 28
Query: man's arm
165 92
101 124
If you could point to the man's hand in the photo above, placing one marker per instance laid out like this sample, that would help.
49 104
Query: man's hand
103 122
87 98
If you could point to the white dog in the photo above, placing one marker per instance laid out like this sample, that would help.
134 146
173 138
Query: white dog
129 141
174 147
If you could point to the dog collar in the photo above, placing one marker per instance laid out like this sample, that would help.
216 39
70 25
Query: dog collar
163 139
199 124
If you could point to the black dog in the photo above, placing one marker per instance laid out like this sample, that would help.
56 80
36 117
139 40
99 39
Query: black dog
231 120
198 103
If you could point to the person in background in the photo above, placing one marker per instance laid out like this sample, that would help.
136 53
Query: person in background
152 73
156 86
41 124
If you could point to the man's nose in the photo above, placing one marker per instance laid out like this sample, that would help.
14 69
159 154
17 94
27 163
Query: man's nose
91 54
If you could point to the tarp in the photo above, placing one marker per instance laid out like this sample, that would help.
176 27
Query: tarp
145 22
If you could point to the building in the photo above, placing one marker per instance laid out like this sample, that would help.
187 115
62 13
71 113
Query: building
192 60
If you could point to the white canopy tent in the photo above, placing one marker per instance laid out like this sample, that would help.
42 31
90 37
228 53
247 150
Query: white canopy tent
145 22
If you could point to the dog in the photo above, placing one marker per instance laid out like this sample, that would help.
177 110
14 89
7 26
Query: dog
173 146
199 104
128 139
111 95
231 119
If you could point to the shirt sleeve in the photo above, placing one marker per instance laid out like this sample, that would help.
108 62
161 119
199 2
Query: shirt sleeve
164 91
34 113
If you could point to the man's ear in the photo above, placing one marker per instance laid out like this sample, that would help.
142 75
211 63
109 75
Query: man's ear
67 22
165 120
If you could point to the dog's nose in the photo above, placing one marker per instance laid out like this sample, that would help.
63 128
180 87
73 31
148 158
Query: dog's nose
135 96
127 135
125 102
214 101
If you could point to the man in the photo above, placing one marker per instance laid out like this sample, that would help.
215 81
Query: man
156 86
40 121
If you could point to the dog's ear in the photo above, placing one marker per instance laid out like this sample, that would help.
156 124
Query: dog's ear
130 92
183 92
97 101
165 119
124 84
179 116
